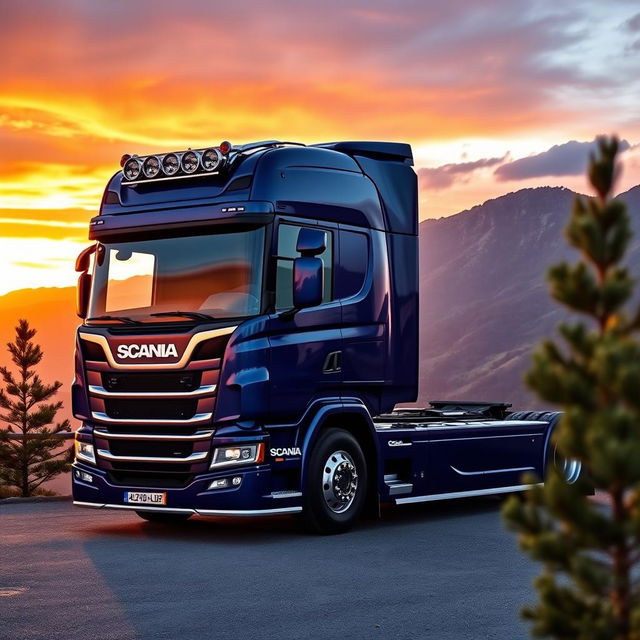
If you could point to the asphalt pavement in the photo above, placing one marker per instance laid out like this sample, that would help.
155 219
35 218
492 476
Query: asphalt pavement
447 571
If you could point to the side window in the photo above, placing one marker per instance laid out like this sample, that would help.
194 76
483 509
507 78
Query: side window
287 239
354 260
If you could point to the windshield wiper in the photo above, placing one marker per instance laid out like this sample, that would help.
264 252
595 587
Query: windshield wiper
188 314
123 319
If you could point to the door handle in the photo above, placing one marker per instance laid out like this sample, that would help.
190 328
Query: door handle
333 362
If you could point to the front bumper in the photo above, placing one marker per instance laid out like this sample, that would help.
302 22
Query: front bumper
253 497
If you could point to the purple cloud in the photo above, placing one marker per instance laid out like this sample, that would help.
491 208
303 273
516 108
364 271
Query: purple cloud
633 24
568 159
437 178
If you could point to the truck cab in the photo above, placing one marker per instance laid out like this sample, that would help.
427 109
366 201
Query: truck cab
250 322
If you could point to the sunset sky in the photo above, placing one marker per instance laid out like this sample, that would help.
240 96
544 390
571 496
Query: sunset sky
494 96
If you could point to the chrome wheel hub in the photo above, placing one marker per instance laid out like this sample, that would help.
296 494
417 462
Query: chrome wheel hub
339 481
569 468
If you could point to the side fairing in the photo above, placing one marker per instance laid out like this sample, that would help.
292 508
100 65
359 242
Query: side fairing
244 387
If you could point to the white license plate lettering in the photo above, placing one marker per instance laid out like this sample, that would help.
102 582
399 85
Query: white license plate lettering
137 497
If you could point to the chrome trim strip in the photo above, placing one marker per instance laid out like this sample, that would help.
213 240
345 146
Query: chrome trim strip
399 488
202 512
199 435
193 457
466 494
501 424
489 471
200 391
250 512
136 507
278 495
182 176
103 417
196 339
480 437
91 505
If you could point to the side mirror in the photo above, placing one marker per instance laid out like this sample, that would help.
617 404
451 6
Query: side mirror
83 261
311 242
307 282
82 294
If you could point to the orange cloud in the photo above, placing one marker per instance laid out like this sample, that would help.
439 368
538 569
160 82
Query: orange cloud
83 83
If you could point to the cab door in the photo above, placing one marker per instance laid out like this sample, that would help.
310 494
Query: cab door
306 346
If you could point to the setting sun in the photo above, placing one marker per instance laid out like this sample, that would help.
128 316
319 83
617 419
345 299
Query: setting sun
473 89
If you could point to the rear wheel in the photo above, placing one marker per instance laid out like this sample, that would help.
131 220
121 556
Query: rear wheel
163 518
336 483
569 468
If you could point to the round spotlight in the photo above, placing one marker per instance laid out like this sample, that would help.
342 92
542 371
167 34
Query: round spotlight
124 158
132 169
225 147
211 159
190 162
170 164
151 167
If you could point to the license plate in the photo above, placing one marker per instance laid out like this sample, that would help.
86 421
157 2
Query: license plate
138 497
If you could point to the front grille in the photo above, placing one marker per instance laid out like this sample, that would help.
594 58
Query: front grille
150 480
155 402
159 448
157 467
153 382
92 351
151 409
159 429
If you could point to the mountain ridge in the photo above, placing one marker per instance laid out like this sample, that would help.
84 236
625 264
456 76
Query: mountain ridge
484 302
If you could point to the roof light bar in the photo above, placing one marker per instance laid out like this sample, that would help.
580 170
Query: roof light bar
151 166
175 164
190 162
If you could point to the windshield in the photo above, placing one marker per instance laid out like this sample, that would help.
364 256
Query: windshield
214 275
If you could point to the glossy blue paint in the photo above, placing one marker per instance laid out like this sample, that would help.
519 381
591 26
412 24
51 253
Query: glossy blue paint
311 242
307 282
277 379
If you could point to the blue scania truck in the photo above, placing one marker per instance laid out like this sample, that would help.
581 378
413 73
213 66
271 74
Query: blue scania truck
250 324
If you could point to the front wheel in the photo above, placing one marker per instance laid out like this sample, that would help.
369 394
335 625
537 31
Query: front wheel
163 518
336 483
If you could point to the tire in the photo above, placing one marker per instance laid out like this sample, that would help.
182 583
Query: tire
163 518
336 483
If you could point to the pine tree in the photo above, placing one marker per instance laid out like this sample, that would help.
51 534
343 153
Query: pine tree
29 458
590 551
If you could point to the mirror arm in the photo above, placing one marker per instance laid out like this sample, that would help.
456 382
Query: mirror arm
287 315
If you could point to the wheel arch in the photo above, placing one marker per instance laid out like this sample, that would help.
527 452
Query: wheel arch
355 419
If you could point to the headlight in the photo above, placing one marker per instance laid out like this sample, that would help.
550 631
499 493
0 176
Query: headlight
170 164
190 162
132 169
211 159
245 454
85 452
151 167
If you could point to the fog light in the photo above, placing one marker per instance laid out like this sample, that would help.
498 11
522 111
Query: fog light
220 483
236 481
83 475
85 452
